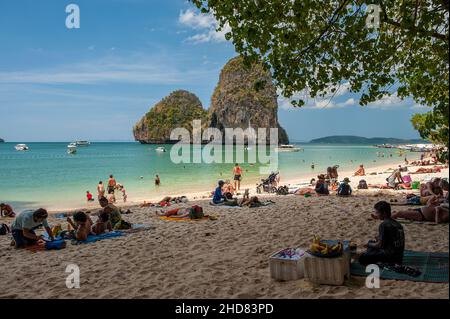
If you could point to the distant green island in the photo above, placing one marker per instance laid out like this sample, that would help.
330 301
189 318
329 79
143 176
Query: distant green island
350 139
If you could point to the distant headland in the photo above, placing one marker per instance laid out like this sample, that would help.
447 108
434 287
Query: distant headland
2 140
350 139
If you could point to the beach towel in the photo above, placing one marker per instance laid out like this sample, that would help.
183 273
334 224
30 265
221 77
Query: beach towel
95 238
184 219
43 245
433 267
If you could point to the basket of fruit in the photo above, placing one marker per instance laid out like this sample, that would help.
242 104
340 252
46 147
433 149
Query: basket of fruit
319 248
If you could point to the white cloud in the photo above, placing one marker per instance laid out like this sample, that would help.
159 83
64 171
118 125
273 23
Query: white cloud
119 70
393 101
206 24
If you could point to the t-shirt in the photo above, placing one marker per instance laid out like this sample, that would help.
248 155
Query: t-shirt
89 196
392 237
217 195
25 221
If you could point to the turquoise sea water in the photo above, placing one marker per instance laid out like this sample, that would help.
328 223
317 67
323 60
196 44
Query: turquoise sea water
46 176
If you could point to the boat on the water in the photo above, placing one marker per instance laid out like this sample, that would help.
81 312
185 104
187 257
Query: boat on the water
161 149
82 143
287 148
72 148
21 147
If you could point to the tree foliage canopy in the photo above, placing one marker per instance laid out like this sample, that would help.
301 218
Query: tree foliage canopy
316 46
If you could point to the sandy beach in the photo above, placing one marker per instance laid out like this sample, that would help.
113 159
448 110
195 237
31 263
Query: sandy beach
224 258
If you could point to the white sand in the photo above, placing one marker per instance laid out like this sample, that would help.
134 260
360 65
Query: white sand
226 258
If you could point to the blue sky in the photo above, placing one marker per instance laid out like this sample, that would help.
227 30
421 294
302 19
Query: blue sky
59 84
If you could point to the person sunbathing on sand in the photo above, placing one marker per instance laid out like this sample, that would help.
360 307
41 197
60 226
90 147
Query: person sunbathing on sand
82 224
175 213
435 211
361 171
390 242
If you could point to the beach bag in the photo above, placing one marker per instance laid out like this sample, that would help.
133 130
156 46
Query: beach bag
407 179
362 184
196 212
4 229
55 244
282 190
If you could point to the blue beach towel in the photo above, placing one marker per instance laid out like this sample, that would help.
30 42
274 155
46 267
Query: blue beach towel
90 239
94 238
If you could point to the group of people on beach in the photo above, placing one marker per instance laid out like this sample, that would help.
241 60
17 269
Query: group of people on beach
23 227
112 188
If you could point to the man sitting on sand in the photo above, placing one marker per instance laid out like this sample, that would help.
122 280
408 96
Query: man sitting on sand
82 224
390 242
6 210
22 228
219 197
361 171
344 188
114 212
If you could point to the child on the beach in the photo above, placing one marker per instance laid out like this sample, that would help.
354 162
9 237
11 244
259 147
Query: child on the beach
124 194
103 223
89 197
82 224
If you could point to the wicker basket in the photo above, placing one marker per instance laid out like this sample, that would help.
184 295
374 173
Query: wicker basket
286 269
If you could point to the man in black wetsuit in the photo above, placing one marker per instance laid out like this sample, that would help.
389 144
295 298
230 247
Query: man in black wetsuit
390 243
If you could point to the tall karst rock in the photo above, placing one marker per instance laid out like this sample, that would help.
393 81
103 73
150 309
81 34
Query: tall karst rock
177 110
245 96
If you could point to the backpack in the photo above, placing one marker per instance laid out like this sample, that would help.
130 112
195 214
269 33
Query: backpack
345 189
282 190
4 229
362 184
196 212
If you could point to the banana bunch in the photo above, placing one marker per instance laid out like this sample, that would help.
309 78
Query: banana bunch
323 248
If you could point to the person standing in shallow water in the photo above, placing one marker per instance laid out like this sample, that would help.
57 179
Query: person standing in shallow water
157 180
111 184
237 172
100 190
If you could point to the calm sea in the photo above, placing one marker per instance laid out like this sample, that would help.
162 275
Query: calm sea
46 176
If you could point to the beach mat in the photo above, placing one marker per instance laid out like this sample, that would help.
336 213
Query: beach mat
95 238
185 219
433 267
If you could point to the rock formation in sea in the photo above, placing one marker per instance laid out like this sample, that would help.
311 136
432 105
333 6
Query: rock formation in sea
177 110
2 140
245 96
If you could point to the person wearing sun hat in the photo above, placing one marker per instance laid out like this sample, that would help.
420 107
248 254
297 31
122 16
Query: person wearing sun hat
344 188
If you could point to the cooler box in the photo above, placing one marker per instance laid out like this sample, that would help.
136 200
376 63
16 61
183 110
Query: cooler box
284 268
